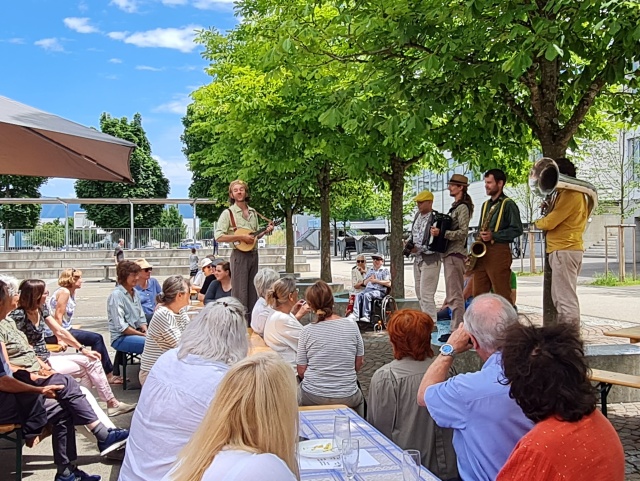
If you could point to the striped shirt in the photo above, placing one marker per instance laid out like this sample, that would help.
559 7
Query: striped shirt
329 350
164 333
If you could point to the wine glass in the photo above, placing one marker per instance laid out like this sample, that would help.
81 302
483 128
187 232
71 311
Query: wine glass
341 431
350 456
411 465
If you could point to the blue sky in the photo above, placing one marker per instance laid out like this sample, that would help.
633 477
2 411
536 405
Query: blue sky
77 59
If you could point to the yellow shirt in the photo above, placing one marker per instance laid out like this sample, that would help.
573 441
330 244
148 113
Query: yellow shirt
565 224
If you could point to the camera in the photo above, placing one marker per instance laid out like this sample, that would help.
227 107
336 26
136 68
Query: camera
408 247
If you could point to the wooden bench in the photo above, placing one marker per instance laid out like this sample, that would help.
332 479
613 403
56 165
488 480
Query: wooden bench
632 333
606 380
13 434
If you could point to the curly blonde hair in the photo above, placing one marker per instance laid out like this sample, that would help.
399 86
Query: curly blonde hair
69 277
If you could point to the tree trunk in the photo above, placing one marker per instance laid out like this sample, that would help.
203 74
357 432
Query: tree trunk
552 148
396 185
325 223
290 242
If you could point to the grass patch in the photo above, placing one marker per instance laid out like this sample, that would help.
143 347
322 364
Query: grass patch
528 274
611 280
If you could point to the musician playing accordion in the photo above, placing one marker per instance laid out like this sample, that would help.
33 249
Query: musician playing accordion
454 257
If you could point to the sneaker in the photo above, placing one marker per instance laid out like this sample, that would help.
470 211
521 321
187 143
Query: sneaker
82 476
60 477
121 408
117 437
365 319
444 338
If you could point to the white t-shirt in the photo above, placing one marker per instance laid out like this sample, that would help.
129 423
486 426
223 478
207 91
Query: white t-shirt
281 333
235 465
261 312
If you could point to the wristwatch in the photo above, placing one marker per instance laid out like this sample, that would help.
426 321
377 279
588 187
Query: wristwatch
447 350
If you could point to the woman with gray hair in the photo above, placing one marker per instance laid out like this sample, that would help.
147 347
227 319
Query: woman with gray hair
169 320
180 387
261 311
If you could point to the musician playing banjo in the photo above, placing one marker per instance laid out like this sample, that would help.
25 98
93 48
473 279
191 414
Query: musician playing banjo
426 265
244 265
564 226
454 257
501 216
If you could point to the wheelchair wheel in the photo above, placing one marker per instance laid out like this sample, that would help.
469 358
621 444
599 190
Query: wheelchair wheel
387 308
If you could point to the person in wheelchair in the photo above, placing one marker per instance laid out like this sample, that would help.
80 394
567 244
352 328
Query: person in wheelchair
377 281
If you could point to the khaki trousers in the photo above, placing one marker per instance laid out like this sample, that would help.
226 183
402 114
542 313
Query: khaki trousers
244 267
426 272
454 285
565 267
493 271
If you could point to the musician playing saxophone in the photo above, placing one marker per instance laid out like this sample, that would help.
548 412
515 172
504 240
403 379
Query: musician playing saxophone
493 270
454 257
564 226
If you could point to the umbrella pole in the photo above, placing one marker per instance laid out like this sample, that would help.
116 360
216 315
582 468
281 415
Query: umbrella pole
66 225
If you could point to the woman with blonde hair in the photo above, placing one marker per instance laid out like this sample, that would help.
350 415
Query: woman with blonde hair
62 305
330 354
250 430
282 330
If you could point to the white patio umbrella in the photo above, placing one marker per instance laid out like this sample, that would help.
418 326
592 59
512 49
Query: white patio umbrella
36 143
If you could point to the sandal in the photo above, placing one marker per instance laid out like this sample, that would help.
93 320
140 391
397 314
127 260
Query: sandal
116 380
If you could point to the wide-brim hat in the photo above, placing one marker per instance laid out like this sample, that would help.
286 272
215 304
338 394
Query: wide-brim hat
459 179
423 196
143 264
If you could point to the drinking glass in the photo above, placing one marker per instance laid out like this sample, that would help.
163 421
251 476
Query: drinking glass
341 431
350 456
411 465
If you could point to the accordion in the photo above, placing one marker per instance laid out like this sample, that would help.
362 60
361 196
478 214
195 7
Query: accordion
443 222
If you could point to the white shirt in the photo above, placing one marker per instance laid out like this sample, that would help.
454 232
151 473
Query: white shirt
236 465
281 333
173 402
261 312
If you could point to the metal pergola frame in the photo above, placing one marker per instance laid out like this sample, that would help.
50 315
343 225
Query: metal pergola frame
103 200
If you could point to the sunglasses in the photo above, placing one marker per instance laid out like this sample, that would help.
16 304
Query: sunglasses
360 262
377 258
148 269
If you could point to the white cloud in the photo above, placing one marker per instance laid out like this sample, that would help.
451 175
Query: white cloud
174 2
176 106
80 24
150 69
16 40
175 38
50 44
115 60
83 7
212 4
175 170
129 6
111 77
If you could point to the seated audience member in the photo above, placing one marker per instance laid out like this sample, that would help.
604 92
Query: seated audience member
547 375
247 434
221 286
32 316
147 288
180 387
330 353
376 281
486 422
282 330
392 407
198 280
263 281
193 263
357 273
34 407
445 311
127 321
209 269
170 319
73 403
62 305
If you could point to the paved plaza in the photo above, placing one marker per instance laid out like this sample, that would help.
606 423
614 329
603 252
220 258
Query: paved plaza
602 309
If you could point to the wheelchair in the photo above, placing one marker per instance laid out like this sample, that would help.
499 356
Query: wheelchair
381 311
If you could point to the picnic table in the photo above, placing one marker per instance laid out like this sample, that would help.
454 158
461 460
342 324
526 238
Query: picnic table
317 423
106 266
632 333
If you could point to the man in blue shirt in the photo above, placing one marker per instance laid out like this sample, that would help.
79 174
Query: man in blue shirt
376 281
147 288
487 423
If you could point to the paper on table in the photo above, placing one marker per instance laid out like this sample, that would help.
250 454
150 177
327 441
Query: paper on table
334 463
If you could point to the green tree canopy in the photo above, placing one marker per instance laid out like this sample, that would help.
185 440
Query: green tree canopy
149 180
16 216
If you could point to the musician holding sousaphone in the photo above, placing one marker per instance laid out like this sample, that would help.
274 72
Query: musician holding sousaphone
239 226
453 258
500 224
568 204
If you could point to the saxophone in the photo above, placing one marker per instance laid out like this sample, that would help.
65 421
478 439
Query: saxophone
478 248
